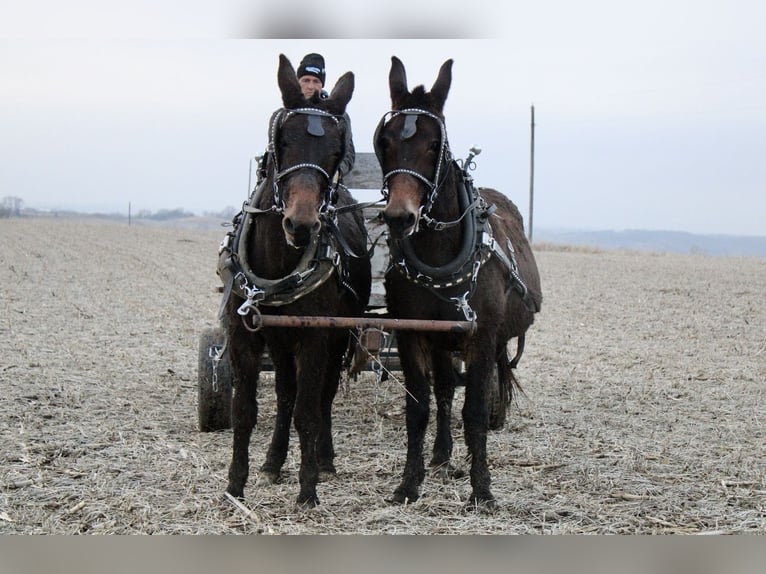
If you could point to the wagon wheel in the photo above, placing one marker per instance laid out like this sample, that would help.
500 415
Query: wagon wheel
214 382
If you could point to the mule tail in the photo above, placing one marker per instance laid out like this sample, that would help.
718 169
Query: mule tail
505 387
519 351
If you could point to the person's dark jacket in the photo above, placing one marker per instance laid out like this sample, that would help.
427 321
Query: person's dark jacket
347 163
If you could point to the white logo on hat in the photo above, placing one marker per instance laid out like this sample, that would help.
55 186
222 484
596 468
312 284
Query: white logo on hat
313 69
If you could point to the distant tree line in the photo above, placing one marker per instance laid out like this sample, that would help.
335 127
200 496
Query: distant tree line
164 214
180 213
11 206
226 213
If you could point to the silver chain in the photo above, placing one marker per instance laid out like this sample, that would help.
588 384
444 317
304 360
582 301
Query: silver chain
215 353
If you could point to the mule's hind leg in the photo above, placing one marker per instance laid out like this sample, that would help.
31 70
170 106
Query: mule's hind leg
284 386
503 385
244 352
498 393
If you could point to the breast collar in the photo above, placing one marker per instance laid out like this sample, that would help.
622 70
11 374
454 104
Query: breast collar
477 247
327 253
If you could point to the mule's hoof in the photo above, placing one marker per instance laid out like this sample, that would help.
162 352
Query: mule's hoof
446 471
238 493
307 502
327 467
496 424
402 496
267 478
484 503
326 476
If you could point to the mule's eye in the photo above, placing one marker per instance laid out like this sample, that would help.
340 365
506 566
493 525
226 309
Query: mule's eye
434 147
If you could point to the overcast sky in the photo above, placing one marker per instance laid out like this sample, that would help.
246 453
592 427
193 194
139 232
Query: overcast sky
650 115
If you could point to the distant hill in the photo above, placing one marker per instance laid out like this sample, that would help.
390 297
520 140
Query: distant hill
658 241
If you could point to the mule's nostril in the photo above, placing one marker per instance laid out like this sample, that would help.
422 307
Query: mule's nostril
289 225
316 226
405 221
400 223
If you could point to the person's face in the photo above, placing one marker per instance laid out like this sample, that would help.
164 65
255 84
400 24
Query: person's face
309 85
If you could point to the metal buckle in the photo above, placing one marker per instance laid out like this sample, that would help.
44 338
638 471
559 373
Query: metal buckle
462 305
475 270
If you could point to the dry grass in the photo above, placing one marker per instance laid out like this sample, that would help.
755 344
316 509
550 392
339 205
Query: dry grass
644 409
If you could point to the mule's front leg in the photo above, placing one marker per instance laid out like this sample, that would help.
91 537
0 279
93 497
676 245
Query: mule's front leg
307 425
476 426
244 415
418 397
308 422
444 392
284 376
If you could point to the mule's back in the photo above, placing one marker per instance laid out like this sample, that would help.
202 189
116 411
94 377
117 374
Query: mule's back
508 224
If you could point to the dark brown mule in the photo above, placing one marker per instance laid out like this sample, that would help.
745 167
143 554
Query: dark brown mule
299 249
457 253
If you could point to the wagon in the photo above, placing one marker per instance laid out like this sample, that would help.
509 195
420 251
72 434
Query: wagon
374 334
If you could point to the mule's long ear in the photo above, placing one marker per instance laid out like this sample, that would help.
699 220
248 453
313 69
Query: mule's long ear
341 94
442 84
292 97
397 83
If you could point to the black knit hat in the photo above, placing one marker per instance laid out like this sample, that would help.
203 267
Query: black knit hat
312 65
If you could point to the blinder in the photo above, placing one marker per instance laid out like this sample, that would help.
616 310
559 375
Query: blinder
315 126
410 126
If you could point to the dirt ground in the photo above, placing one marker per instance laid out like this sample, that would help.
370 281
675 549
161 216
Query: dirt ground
643 411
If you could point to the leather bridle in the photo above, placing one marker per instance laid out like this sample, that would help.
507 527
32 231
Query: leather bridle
409 129
330 194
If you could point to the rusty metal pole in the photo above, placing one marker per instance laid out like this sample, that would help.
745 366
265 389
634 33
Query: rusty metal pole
385 324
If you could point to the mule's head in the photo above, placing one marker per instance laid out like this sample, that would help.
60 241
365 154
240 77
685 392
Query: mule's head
411 145
308 138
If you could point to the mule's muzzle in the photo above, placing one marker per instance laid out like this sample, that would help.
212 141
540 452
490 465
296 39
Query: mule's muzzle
300 233
402 211
401 223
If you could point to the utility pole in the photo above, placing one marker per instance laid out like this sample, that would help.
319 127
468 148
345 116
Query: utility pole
531 173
